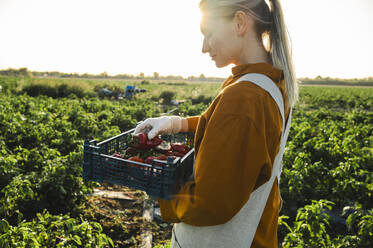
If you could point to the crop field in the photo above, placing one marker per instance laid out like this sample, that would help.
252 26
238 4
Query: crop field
326 184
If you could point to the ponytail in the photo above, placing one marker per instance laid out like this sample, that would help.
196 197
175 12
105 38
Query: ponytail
280 50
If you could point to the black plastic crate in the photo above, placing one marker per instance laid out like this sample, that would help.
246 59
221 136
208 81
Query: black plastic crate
160 179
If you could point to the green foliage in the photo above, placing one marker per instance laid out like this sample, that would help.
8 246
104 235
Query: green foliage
188 109
360 221
48 230
62 90
310 226
202 99
336 98
41 149
167 96
326 184
167 245
55 186
8 85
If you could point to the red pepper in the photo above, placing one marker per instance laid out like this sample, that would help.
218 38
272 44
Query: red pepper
162 157
141 141
155 141
137 159
180 148
149 160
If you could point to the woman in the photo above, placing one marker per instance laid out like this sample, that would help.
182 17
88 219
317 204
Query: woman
239 139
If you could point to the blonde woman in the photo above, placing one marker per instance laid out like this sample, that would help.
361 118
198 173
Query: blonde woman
233 199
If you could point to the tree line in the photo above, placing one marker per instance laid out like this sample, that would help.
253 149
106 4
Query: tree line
24 72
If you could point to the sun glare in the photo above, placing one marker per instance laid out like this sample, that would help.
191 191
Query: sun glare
119 37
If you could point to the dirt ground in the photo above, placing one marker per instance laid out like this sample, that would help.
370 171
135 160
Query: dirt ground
121 216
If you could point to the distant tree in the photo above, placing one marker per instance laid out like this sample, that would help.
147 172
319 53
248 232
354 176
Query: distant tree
24 72
104 74
141 75
156 75
191 78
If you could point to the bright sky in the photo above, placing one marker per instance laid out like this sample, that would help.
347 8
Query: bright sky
330 37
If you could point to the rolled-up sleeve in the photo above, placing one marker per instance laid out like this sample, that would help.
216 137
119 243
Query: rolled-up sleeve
192 123
232 156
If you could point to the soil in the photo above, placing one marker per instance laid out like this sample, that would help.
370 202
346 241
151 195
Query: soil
121 219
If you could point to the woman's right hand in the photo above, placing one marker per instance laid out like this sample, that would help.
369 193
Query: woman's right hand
159 125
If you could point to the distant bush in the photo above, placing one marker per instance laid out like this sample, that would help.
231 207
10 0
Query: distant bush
62 90
40 89
175 84
167 96
202 99
145 82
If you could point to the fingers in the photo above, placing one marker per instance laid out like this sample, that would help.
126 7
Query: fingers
153 133
151 126
142 126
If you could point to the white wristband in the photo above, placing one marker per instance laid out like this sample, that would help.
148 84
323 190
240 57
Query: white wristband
175 124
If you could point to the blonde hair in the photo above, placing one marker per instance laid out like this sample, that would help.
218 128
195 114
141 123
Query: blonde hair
270 22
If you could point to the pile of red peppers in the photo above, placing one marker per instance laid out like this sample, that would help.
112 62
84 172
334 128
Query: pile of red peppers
143 150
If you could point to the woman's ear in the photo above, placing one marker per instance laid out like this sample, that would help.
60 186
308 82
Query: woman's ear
242 23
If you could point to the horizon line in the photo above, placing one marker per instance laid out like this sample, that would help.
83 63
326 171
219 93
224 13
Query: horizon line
142 75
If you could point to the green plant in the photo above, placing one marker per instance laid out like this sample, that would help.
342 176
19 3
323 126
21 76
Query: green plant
48 230
310 226
166 245
167 96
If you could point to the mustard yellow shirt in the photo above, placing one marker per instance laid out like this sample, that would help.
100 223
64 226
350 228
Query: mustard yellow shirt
236 141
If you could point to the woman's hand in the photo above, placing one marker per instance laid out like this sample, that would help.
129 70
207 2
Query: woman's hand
160 125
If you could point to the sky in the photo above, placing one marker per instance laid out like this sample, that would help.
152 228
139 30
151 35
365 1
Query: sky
330 38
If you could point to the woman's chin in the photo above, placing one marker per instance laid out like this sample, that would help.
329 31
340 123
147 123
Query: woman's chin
220 65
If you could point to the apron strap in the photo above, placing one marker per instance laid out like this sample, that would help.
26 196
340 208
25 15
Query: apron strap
268 85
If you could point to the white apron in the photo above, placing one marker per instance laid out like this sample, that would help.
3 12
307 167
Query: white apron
240 230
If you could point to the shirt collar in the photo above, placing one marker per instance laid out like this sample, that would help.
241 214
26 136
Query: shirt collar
275 74
264 68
